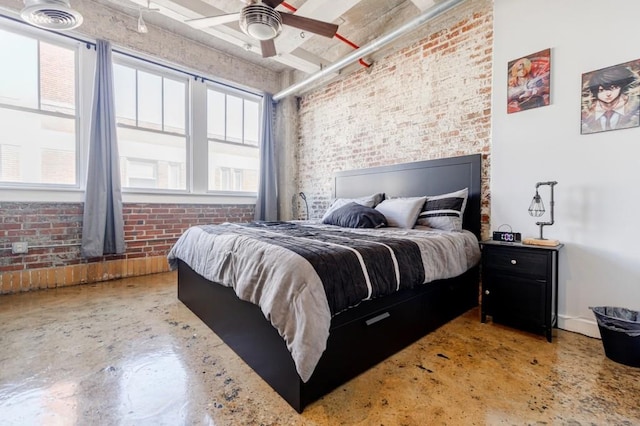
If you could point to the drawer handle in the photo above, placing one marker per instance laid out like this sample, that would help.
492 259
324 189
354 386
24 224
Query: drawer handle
377 318
513 261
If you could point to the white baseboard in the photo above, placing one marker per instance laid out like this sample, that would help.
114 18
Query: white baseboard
584 326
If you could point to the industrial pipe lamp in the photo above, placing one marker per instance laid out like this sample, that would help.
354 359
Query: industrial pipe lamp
536 209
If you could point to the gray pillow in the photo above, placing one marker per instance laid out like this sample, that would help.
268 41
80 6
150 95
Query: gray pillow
401 212
354 215
369 201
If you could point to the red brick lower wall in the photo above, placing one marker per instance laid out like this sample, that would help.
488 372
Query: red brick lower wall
53 232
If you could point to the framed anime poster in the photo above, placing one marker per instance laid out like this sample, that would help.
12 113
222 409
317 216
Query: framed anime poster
529 82
611 98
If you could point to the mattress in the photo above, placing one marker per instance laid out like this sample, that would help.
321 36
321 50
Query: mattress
302 274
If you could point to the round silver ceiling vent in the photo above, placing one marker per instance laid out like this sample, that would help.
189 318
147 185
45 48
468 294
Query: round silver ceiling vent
260 21
51 14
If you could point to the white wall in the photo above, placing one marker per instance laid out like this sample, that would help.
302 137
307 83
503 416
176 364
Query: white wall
597 196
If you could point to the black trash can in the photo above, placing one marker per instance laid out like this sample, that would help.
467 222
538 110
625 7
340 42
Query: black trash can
620 331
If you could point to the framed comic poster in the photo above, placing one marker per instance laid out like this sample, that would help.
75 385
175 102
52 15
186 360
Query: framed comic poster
611 98
529 82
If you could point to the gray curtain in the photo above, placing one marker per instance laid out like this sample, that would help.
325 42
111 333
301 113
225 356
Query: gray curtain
267 202
103 224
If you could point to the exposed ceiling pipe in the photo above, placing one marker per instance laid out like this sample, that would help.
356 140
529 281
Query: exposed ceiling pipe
375 45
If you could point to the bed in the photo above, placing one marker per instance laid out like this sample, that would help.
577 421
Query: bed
363 335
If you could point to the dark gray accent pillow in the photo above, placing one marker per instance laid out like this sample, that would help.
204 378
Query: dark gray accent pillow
354 215
369 201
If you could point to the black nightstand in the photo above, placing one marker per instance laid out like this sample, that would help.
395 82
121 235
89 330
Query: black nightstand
520 285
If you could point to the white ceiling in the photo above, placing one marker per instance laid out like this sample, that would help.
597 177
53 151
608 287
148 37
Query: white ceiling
359 21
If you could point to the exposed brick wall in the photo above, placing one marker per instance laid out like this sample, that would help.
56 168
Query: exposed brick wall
429 98
54 232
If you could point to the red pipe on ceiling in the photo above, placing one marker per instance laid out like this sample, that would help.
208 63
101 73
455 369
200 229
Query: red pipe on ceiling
338 36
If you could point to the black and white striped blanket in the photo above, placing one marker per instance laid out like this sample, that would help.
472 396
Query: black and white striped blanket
352 267
301 274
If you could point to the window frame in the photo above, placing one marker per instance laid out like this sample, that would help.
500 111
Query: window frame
124 59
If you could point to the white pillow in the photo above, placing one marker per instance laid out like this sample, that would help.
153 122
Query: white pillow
401 212
368 201
444 211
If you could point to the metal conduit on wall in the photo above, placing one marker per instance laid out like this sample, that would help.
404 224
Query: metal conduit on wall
375 45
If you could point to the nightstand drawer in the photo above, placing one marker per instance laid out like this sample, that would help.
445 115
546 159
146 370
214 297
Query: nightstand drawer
521 262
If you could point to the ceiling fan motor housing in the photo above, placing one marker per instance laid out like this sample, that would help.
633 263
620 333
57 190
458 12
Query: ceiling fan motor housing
260 21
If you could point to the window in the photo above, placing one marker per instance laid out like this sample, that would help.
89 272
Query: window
151 113
37 111
177 135
233 123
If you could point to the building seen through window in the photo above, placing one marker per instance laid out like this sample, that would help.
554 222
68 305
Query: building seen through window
151 112
37 111
233 123
45 78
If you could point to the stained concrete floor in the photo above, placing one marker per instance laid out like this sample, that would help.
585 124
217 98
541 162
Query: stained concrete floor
127 352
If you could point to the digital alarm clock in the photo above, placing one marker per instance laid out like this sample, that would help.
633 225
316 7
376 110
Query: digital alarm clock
507 237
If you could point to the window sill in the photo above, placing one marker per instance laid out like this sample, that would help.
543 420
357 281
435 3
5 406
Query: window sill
30 195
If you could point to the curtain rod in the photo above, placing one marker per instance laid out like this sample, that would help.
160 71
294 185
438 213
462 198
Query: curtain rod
92 44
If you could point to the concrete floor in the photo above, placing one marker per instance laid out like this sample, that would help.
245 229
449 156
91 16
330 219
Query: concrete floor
127 352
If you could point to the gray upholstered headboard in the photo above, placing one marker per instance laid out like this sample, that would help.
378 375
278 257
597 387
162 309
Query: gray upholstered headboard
431 177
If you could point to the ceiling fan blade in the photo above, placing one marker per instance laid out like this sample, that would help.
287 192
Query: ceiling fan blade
307 24
272 3
268 48
212 21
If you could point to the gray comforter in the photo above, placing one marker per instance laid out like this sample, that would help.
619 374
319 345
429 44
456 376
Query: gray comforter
301 275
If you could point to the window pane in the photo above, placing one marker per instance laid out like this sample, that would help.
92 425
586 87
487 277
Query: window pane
234 119
19 70
251 122
216 114
57 166
140 173
57 79
124 82
145 151
149 100
9 163
174 104
176 173
233 167
37 148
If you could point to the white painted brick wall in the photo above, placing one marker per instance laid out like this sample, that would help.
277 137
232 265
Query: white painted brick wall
427 98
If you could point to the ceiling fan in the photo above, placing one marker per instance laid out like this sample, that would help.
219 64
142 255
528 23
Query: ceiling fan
261 21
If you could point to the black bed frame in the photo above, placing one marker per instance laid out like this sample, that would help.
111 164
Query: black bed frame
364 335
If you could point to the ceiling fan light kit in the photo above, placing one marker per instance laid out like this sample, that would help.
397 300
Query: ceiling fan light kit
51 14
260 22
